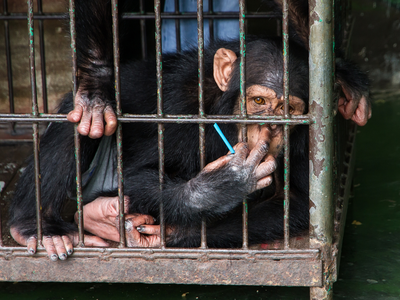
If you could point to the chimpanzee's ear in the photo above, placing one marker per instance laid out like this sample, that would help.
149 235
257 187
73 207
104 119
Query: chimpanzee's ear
223 64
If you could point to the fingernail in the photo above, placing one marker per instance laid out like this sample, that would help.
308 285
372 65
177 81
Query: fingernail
54 257
69 251
140 228
31 251
62 256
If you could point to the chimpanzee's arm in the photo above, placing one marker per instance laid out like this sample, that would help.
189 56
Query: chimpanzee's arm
214 191
94 101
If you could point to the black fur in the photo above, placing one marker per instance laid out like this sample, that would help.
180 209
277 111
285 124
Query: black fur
188 195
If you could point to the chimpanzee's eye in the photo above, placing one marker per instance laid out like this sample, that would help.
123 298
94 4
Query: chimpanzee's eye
259 100
291 108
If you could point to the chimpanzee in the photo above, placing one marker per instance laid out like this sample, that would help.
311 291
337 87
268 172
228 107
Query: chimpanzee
189 194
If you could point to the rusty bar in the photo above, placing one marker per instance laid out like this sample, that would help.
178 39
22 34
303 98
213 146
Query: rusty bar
243 108
183 119
35 125
183 252
143 30
321 140
225 271
157 11
286 159
23 16
117 87
213 16
42 60
77 143
202 143
135 15
177 27
9 65
211 21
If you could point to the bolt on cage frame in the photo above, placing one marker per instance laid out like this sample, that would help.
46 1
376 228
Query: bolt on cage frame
315 267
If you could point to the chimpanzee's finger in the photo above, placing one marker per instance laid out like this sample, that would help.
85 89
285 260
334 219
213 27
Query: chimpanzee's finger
149 229
241 152
97 127
95 241
50 248
348 108
264 182
31 244
86 121
59 245
261 148
111 121
137 219
362 113
266 168
68 244
75 115
217 164
131 234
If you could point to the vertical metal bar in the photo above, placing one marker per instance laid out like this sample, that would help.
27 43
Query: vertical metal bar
177 28
321 140
9 65
42 60
286 160
117 87
76 134
200 57
35 125
157 11
211 20
243 108
143 31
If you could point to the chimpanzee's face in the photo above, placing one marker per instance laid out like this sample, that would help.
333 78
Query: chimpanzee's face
263 101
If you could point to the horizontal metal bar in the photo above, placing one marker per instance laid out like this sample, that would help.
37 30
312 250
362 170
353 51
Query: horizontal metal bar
193 15
23 16
166 252
138 15
294 120
250 271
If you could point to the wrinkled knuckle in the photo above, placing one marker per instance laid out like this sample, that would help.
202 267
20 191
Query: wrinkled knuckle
98 104
263 146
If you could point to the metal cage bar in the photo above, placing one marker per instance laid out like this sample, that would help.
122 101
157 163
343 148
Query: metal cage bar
143 31
160 114
77 144
211 21
42 60
117 87
286 128
321 139
243 109
177 28
9 65
202 129
35 125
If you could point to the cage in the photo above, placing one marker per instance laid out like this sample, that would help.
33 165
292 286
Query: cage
312 262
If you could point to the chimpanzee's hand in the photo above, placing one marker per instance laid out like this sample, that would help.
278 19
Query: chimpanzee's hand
355 108
92 115
254 166
100 217
57 247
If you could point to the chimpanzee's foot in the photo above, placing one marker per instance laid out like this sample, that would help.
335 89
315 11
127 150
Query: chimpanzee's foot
57 247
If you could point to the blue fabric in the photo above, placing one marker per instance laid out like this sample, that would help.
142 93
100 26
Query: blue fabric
224 29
